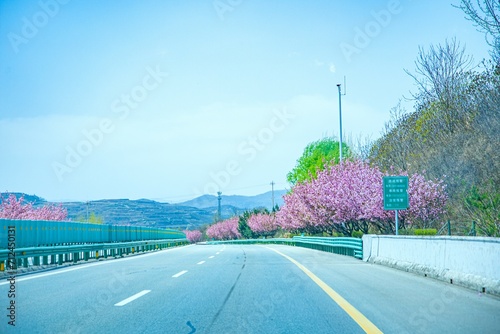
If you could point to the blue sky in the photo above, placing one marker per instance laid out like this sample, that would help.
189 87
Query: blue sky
169 100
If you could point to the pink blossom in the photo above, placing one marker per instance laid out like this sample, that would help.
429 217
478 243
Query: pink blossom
352 192
193 236
224 230
12 208
262 223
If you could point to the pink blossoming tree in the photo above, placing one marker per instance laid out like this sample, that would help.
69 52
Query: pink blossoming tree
12 208
224 230
349 197
193 236
263 224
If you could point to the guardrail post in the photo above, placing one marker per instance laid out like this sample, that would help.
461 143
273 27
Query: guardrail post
69 253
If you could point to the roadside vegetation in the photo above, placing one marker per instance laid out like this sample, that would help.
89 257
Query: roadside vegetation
448 145
12 207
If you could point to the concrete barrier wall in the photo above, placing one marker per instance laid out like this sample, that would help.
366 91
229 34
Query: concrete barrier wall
473 262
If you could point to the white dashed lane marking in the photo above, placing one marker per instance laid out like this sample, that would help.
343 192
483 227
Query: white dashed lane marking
132 298
201 262
180 273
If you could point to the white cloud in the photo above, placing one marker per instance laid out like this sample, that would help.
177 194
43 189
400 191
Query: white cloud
332 68
318 63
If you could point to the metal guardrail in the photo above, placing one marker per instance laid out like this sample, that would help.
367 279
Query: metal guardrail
280 241
343 246
59 255
36 233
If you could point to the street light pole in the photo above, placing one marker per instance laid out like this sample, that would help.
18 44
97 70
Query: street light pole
340 122
219 211
272 188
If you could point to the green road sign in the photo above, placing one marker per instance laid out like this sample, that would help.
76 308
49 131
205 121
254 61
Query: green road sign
395 192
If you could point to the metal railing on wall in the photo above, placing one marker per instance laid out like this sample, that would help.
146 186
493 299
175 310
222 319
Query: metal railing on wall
458 228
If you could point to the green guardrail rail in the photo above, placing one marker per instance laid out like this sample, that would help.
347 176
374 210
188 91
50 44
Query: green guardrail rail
343 246
11 259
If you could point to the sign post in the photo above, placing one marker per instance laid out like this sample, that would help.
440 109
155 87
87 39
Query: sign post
395 195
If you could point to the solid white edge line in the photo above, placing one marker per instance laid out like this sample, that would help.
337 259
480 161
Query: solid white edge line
132 298
180 273
201 262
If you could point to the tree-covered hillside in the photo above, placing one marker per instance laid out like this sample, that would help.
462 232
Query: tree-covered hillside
454 130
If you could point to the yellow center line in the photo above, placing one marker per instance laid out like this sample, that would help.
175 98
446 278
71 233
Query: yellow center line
357 316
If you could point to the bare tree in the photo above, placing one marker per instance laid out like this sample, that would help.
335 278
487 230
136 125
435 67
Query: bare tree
360 146
440 72
393 149
486 16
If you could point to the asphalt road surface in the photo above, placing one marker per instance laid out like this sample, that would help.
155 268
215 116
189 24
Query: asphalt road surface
240 289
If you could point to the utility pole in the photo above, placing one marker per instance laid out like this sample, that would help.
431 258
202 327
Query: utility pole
272 187
219 198
340 119
88 211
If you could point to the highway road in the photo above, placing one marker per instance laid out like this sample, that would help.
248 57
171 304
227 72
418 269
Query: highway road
241 289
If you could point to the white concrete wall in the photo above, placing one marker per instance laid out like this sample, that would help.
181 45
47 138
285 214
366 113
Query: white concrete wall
473 262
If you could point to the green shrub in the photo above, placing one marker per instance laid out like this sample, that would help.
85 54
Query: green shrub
426 231
357 234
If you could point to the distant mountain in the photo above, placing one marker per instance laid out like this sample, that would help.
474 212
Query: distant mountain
241 202
35 200
140 212
145 212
